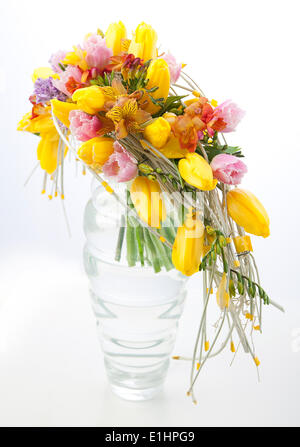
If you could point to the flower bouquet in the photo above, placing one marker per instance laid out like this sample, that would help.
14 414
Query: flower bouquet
155 145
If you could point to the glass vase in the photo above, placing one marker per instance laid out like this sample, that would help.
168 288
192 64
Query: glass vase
136 309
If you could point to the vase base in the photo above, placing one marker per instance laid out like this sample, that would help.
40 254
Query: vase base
136 394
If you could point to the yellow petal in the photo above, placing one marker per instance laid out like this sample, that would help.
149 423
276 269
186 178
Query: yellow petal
173 149
248 212
158 132
158 74
146 197
89 99
197 172
44 73
47 152
143 43
188 246
96 151
114 35
62 109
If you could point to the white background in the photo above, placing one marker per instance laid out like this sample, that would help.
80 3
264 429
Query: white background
51 370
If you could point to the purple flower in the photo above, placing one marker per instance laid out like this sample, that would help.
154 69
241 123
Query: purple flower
44 91
56 59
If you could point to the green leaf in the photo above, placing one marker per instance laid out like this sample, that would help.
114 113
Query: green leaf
171 103
215 149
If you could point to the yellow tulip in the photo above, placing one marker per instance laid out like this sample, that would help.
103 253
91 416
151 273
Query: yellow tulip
223 298
47 151
195 170
114 35
143 43
247 211
189 245
62 109
96 151
158 132
89 99
158 74
44 73
48 144
145 195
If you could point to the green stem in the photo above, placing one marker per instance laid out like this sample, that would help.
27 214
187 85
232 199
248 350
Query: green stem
140 243
120 240
152 251
161 253
131 244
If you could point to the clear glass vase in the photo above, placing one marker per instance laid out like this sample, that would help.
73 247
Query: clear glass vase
137 310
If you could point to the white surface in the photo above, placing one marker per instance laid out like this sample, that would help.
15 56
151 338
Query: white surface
51 371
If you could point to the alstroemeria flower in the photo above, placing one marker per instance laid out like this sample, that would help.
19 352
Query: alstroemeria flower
84 126
120 166
127 117
69 80
184 129
230 113
228 169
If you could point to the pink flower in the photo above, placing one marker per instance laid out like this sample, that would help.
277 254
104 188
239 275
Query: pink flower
230 113
97 53
174 67
228 169
84 126
68 79
56 59
120 166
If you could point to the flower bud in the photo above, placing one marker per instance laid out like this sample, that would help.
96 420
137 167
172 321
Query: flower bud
159 76
195 170
146 197
89 99
158 132
114 35
145 169
247 211
188 246
96 151
143 43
